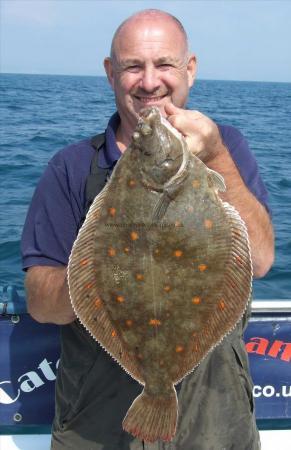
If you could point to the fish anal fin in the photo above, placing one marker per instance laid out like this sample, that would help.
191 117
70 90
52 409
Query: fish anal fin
229 300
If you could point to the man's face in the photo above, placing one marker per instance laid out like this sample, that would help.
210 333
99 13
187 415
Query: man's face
151 67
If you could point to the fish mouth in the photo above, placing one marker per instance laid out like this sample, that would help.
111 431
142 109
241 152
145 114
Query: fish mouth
150 100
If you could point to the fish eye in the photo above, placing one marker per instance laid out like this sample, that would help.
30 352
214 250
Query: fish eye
136 136
145 129
147 153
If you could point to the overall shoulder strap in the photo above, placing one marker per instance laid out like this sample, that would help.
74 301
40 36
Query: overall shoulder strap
97 177
98 140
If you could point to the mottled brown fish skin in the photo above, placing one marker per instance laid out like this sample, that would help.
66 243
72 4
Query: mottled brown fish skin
170 267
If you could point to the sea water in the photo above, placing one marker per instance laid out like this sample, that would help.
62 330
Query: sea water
40 114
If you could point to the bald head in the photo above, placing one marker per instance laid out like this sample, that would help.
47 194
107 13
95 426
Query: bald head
142 17
150 65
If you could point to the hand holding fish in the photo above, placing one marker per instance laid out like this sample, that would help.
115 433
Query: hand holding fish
200 132
203 139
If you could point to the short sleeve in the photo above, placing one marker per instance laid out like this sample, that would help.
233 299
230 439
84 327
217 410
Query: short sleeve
245 162
57 207
52 221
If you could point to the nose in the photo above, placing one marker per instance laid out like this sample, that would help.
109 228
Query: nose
150 80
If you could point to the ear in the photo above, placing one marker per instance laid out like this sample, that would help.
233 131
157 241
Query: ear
191 69
109 70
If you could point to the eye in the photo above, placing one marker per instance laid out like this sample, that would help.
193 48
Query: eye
133 69
165 66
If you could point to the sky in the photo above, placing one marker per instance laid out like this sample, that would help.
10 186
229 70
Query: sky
232 39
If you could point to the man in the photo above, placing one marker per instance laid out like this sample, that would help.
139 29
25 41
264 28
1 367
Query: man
149 65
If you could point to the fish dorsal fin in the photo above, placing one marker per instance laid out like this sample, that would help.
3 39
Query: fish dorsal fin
84 293
216 180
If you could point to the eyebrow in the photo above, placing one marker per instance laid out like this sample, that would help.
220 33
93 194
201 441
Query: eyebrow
167 60
129 62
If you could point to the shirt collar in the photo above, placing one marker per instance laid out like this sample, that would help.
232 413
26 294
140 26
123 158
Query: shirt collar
110 153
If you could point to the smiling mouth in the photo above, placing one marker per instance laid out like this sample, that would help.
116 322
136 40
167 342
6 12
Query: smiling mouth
147 100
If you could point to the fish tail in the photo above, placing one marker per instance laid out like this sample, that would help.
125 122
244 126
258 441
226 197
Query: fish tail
152 417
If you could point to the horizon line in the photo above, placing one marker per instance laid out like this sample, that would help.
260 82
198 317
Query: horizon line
104 76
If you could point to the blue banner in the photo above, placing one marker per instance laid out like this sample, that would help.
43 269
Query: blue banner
30 353
268 343
29 358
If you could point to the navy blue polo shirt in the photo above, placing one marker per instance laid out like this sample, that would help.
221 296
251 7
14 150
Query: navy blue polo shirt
110 153
58 203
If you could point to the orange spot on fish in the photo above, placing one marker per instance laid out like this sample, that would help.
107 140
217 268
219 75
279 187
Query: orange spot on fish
134 236
196 184
89 285
120 298
111 251
178 253
139 277
112 211
128 322
179 348
84 262
239 260
202 267
167 288
98 302
196 300
126 250
221 305
131 183
208 224
113 333
154 322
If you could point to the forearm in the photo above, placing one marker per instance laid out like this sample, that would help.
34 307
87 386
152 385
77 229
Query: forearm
48 295
253 213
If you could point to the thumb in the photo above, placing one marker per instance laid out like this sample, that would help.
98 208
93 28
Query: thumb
171 109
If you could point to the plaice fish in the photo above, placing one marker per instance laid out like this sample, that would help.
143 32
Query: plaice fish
160 271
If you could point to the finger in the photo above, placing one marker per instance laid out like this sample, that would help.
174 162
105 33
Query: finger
178 122
171 109
194 143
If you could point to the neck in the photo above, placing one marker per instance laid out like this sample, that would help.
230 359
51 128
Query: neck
124 135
